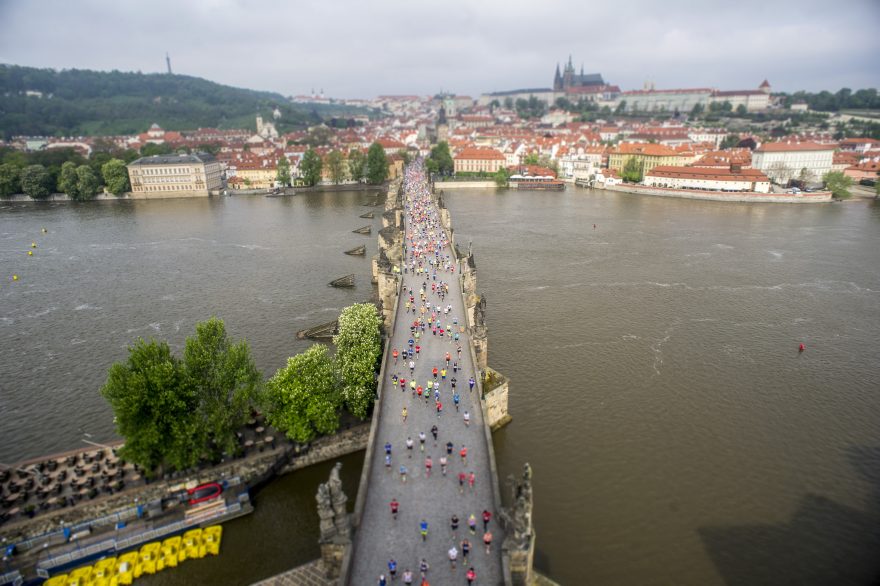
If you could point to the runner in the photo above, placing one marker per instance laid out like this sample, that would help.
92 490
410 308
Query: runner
453 555
472 524
443 462
408 577
404 413
428 465
392 568
467 419
395 506
487 516
423 529
471 576
403 473
465 550
487 540
409 447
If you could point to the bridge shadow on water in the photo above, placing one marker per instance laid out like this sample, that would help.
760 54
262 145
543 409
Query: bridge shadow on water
824 543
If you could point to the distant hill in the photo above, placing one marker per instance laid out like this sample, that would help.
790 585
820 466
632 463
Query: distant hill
82 102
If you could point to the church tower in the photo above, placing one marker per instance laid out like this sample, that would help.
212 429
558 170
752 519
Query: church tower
557 80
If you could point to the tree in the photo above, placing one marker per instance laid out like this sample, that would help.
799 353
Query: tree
358 346
356 164
440 159
87 183
152 402
150 149
67 180
621 108
697 110
377 164
10 180
532 159
283 175
302 399
225 382
115 176
741 110
404 154
838 184
730 141
508 103
36 182
877 189
310 167
501 177
632 171
336 166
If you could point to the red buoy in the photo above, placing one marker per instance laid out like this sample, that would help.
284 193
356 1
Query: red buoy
801 348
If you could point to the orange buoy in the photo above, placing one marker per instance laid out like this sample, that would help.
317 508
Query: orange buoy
801 348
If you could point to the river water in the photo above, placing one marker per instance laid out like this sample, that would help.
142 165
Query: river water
676 434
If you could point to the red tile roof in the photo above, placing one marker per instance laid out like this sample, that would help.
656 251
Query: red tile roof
706 173
479 154
781 147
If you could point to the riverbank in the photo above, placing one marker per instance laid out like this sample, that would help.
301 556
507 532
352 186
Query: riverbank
143 507
728 196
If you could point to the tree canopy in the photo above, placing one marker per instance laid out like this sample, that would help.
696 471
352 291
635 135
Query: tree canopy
838 184
377 164
632 171
115 176
336 166
303 399
283 175
358 346
440 159
357 164
174 412
311 167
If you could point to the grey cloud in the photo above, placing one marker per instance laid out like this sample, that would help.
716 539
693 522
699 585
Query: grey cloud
353 48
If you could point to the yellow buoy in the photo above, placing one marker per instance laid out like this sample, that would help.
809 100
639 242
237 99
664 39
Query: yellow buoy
211 538
33 244
125 567
30 252
14 277
44 230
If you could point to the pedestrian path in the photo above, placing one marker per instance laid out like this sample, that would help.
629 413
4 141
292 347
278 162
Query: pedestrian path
428 496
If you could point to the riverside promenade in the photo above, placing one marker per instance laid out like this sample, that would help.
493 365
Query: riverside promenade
435 498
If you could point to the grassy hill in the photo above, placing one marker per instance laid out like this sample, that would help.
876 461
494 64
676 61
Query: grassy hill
83 102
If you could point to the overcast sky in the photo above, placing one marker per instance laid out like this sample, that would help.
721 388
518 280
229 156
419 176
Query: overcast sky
363 48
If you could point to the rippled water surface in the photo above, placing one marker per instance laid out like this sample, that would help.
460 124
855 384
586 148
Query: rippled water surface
676 434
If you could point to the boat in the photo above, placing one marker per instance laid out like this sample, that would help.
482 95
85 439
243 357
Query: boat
368 215
104 572
170 553
320 332
363 229
126 565
346 281
211 539
148 557
204 492
536 182
358 251
192 542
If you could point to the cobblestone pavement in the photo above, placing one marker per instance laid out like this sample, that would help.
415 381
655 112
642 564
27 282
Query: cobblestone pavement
435 498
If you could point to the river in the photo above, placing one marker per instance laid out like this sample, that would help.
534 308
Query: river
676 433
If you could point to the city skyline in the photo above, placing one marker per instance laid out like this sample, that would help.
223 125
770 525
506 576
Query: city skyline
415 48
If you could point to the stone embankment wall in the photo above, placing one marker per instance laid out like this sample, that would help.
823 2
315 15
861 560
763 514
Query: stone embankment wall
741 197
253 470
111 197
386 271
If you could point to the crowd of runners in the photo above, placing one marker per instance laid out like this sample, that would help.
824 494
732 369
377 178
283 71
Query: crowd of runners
434 383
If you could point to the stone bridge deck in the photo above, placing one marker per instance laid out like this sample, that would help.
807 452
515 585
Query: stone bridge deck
435 499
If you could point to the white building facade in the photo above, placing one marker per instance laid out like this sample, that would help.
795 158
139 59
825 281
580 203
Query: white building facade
784 161
175 175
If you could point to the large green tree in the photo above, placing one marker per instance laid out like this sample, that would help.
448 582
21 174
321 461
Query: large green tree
283 175
377 164
336 166
502 176
632 171
357 164
152 402
440 159
358 346
310 167
36 182
67 179
10 182
87 183
115 176
225 381
302 399
838 184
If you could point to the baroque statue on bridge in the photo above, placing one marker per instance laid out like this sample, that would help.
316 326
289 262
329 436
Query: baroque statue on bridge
335 524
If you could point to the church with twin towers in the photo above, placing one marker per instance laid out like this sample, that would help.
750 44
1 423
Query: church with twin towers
568 80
